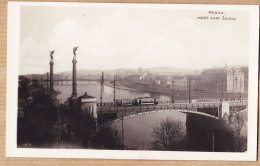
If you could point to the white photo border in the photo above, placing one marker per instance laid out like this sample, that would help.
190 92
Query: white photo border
13 44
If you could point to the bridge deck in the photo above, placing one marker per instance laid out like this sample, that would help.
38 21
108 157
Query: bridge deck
209 109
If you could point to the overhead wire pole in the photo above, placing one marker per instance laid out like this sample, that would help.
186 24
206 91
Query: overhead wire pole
240 90
233 79
123 128
114 83
101 88
59 122
222 85
172 94
189 84
241 94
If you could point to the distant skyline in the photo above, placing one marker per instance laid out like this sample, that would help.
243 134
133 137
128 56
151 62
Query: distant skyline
153 70
113 38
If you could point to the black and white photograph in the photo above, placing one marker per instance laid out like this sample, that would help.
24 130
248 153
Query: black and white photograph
132 81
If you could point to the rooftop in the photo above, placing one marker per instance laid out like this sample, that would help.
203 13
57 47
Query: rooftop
86 96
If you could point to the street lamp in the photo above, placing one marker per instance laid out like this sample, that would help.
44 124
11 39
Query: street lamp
116 134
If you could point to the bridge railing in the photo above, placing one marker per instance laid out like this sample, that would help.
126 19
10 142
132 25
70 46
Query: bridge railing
186 102
105 104
211 109
238 103
130 110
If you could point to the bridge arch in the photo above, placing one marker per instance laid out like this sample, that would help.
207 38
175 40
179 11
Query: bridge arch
167 110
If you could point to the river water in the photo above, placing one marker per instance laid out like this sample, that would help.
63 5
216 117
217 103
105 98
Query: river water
138 129
93 89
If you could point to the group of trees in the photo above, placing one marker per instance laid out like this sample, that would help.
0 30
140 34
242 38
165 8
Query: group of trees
37 114
42 122
239 127
168 135
108 137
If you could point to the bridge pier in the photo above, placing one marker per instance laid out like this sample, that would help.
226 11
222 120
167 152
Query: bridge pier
199 134
224 109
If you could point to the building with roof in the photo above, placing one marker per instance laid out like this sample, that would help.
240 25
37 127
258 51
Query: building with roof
235 80
88 105
224 79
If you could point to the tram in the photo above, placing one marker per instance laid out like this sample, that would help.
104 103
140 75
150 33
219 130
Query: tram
145 101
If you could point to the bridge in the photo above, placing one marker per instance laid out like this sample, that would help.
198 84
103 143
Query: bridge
69 81
79 79
215 109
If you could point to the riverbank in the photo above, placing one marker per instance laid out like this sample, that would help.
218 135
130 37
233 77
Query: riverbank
182 95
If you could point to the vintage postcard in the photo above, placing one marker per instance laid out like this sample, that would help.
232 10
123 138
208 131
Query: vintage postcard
132 81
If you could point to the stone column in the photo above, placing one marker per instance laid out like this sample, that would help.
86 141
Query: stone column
51 75
47 83
51 71
74 78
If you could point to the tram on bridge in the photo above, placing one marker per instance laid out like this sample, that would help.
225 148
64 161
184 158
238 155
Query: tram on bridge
137 101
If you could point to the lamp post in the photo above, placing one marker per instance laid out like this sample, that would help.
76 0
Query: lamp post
123 128
116 134
213 142
222 85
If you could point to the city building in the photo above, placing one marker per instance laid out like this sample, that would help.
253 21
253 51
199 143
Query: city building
226 79
180 82
245 71
161 80
235 80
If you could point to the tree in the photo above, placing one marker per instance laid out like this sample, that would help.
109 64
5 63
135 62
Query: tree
108 137
237 122
167 135
40 114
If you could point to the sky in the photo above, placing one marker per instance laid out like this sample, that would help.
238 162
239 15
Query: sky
113 38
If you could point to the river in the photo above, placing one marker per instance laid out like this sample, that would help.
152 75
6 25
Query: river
93 89
138 129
